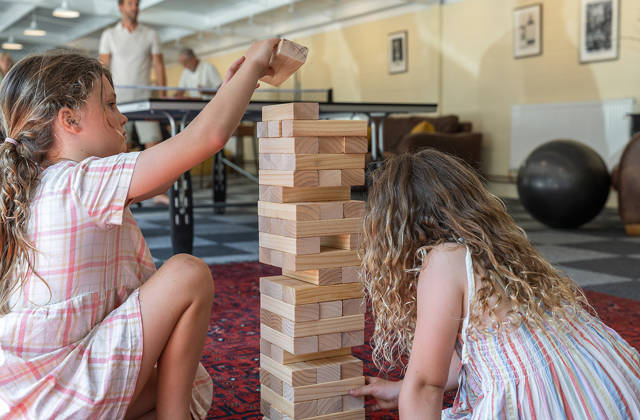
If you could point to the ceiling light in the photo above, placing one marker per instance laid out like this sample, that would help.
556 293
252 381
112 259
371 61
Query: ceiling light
64 12
11 45
33 29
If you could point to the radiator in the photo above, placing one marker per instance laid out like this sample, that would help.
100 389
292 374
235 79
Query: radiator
603 125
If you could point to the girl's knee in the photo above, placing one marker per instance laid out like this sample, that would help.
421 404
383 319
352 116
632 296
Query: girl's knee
193 272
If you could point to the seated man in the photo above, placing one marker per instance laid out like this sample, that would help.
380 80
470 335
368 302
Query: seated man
197 74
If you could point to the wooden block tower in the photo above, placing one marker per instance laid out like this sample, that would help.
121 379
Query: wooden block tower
313 313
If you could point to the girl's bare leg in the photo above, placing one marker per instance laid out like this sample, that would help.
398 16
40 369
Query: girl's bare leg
176 306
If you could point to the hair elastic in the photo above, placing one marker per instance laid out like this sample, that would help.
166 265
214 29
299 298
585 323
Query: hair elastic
10 140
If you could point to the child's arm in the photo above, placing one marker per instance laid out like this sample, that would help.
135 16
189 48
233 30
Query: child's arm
159 166
439 311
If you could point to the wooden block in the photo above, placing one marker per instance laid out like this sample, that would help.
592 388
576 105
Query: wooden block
356 144
291 162
351 307
265 347
297 246
337 177
349 402
329 405
291 211
271 381
265 407
294 345
322 326
293 128
279 194
332 309
347 241
294 145
326 389
327 370
311 228
353 208
351 369
329 341
293 374
296 313
296 292
262 129
330 178
271 319
321 277
274 129
327 258
288 58
351 274
358 414
288 178
331 144
331 210
291 111
343 144
305 409
275 414
352 338
282 356
287 391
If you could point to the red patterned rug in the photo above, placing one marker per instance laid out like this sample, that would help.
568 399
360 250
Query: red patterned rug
231 353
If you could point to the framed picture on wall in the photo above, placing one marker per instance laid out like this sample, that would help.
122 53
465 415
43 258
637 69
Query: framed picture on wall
527 31
598 30
398 61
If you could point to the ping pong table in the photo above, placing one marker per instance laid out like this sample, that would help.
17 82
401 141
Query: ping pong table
179 111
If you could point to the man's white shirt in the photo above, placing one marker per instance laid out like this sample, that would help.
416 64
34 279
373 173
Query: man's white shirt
131 58
204 76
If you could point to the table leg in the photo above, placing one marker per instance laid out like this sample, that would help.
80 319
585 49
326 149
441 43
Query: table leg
180 205
181 213
219 183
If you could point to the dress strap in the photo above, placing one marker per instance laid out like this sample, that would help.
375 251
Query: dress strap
471 289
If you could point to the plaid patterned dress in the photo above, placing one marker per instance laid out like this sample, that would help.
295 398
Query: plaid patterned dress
72 347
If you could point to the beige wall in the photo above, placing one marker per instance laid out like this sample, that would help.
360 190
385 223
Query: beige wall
461 56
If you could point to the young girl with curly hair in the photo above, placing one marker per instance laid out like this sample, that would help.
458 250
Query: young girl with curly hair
456 286
89 329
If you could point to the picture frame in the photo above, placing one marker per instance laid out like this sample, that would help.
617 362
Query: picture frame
398 60
527 31
599 30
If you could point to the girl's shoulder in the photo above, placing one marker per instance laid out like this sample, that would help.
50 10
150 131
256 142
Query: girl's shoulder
445 263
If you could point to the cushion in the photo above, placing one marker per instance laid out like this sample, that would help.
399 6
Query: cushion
423 127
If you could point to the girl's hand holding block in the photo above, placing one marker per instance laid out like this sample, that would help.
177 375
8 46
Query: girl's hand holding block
288 58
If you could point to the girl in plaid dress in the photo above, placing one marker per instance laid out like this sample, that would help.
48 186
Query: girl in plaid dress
456 286
88 327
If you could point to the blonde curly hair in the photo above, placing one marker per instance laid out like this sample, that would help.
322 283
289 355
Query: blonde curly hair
419 201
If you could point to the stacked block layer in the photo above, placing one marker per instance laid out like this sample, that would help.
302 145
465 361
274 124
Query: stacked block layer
313 313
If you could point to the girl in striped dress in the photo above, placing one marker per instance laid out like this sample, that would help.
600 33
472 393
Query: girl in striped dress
88 328
482 311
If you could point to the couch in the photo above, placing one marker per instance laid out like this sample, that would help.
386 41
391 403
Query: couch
450 135
625 178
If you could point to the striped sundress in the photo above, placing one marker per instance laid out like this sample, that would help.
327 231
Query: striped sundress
571 369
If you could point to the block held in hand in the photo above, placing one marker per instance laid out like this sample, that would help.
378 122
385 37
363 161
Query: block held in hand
288 58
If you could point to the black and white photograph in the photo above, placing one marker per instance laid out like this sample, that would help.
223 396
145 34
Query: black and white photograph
398 62
598 30
527 31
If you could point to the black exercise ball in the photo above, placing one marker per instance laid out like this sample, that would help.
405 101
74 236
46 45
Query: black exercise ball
563 184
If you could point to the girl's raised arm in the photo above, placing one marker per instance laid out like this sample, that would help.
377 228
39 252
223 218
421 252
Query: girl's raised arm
157 167
439 312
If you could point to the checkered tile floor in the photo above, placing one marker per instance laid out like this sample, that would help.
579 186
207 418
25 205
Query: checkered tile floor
599 256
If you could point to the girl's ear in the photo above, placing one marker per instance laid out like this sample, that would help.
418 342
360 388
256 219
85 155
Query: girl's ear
69 120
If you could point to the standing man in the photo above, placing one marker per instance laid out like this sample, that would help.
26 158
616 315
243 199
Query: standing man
129 49
196 74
